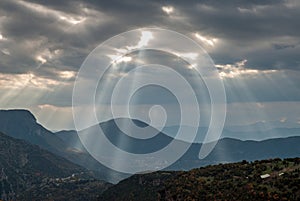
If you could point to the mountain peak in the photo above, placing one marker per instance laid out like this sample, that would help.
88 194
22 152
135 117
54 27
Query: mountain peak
127 121
18 113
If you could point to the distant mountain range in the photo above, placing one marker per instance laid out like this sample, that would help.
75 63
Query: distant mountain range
256 132
226 150
22 124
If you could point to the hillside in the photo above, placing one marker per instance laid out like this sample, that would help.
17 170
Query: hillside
227 149
259 180
26 168
23 125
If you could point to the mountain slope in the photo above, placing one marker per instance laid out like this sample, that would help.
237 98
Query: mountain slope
226 150
260 180
71 139
24 167
21 124
118 138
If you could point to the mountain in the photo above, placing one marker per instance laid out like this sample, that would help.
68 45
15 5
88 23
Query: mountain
274 179
128 143
226 150
256 132
25 168
118 138
232 150
21 124
71 139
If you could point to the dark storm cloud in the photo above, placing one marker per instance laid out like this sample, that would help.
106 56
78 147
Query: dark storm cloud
266 33
250 29
33 30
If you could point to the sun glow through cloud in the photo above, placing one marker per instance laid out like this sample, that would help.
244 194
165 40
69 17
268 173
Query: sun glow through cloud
72 20
145 38
238 69
68 18
67 74
19 81
168 9
190 55
41 59
2 38
124 59
5 51
207 40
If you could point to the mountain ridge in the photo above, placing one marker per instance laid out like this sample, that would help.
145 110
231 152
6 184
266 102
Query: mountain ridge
21 124
226 150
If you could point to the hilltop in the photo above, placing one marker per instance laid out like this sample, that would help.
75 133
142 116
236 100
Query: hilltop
274 179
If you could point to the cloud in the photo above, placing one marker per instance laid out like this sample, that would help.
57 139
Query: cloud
247 29
209 41
168 9
38 35
274 114
238 69
254 44
26 80
283 119
257 31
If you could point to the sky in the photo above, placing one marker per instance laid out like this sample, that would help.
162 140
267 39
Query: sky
255 45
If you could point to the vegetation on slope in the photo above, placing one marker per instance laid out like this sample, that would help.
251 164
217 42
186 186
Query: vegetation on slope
235 181
28 172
